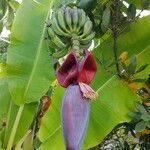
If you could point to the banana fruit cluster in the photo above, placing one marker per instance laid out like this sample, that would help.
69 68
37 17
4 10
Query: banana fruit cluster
70 28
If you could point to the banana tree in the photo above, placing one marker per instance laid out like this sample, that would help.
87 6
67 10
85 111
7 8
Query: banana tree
60 56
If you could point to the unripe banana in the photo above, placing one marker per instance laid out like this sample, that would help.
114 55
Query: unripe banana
88 38
61 53
66 24
81 18
87 28
52 44
68 18
59 42
57 29
50 32
75 18
61 20
86 46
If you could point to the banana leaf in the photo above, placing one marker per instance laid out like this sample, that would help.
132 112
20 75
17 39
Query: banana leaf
29 67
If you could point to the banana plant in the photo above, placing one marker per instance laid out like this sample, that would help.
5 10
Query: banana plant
113 95
50 74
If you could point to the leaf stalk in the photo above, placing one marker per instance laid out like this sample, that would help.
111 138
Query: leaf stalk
14 129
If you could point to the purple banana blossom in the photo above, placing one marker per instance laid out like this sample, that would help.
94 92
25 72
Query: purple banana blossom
75 75
75 116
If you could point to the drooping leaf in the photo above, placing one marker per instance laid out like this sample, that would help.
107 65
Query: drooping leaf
29 66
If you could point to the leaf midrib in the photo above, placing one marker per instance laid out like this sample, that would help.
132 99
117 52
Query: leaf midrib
37 56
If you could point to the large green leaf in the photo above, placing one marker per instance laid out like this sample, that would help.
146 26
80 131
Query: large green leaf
54 142
110 109
134 40
29 66
115 101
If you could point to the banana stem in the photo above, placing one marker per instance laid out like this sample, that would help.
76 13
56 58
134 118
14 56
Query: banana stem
115 20
76 45
14 129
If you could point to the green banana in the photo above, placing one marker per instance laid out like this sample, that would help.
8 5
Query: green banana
61 20
59 42
57 28
75 18
52 44
82 18
68 18
88 38
87 28
50 32
86 46
61 53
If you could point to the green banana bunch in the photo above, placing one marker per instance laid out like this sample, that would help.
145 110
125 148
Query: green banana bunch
69 25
